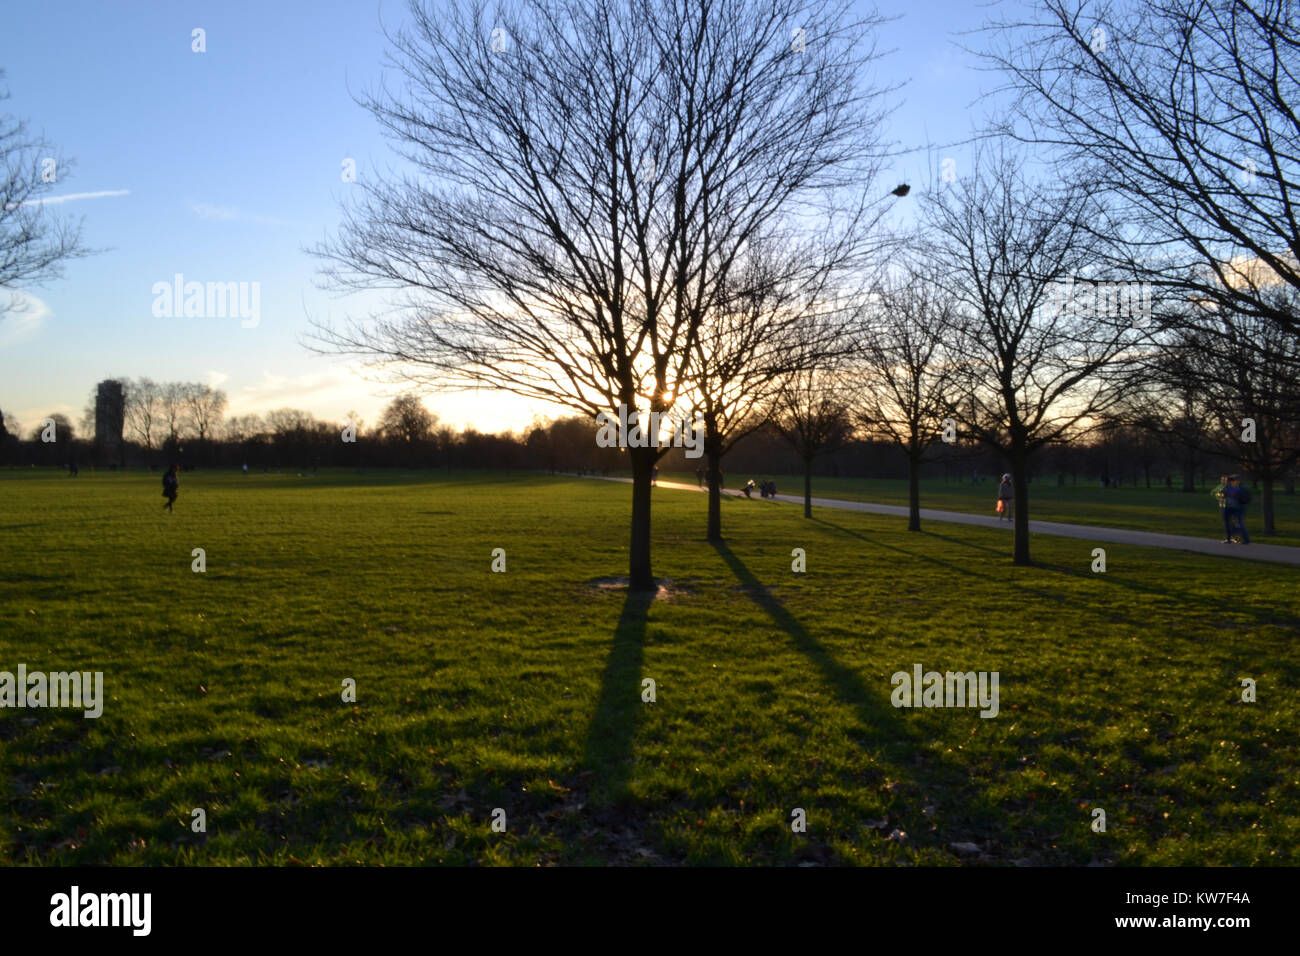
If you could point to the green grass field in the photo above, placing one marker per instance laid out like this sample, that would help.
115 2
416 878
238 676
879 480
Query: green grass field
523 690
1168 511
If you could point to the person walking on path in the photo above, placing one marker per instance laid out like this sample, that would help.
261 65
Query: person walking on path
171 487
1006 498
1220 495
1236 497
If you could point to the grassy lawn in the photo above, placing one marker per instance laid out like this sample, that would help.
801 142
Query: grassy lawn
478 690
1140 509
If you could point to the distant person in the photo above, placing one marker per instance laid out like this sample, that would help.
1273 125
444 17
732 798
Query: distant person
73 470
699 476
1006 498
245 469
1220 495
1237 496
654 475
171 487
749 488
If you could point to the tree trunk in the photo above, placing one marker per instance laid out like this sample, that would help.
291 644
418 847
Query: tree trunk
639 574
807 487
1020 487
1189 472
1266 503
913 494
714 468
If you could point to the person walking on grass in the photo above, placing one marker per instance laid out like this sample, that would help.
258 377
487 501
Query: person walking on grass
171 487
1236 496
1006 498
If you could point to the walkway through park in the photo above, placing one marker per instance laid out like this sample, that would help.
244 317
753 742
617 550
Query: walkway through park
1151 539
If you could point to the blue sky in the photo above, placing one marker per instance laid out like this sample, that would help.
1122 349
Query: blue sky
224 166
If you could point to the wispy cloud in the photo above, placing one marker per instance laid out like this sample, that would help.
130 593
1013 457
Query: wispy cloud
73 197
313 391
215 213
23 317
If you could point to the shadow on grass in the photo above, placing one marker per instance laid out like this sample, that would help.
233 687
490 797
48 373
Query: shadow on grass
608 749
880 720
1205 604
998 577
874 713
874 542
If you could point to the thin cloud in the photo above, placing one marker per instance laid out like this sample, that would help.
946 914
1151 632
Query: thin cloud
73 197
23 319
215 213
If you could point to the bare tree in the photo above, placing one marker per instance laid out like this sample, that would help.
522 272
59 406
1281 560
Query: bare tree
813 414
172 406
34 244
242 428
407 420
588 171
1246 384
1030 368
1165 415
289 422
776 316
204 408
1188 113
901 372
144 410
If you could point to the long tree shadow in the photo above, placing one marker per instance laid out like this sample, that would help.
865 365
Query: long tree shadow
1271 615
608 750
955 568
878 717
1048 596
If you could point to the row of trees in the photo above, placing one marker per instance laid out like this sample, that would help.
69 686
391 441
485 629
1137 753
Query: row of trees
182 423
675 207
1119 452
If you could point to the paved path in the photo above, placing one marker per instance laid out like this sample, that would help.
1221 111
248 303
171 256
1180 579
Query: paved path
1177 542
